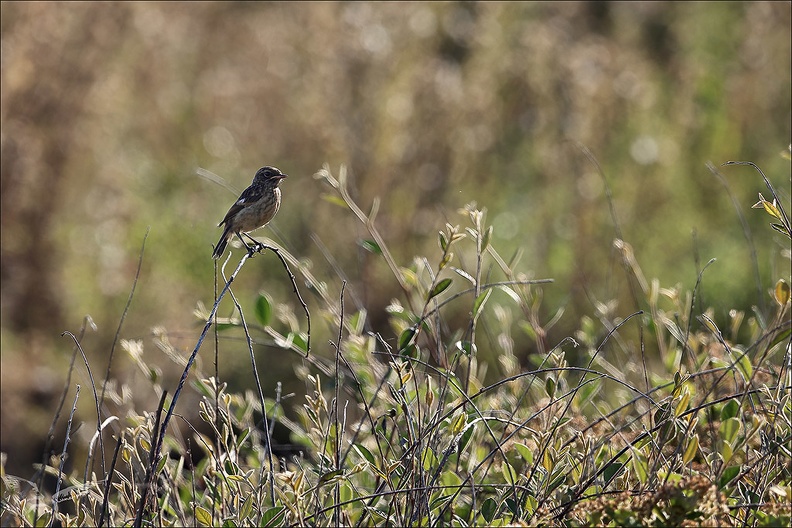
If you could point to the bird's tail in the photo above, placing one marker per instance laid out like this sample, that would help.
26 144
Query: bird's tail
221 244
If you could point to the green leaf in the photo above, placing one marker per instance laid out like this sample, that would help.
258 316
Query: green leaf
263 309
611 470
729 429
780 228
247 508
446 259
436 504
511 504
466 347
550 386
370 246
346 492
439 288
358 321
364 453
333 199
203 516
330 476
531 503
525 452
586 392
406 337
409 351
691 450
481 300
488 509
458 423
682 405
729 410
508 473
273 516
466 436
782 336
429 459
486 240
443 241
728 475
299 340
640 466
242 437
204 388
744 364
451 479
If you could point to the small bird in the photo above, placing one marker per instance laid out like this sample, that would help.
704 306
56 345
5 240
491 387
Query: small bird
255 207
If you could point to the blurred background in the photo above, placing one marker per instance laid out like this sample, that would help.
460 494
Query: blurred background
109 108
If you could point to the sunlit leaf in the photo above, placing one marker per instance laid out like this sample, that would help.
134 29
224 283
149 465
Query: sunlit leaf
508 472
334 199
691 450
782 293
458 423
429 459
744 365
465 274
203 516
525 452
682 404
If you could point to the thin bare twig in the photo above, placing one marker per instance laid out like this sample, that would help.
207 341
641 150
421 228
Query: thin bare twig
268 436
123 317
55 497
152 466
98 408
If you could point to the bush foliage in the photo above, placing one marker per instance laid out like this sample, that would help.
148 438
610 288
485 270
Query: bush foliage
421 433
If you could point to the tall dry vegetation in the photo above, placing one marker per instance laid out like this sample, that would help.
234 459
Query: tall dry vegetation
107 109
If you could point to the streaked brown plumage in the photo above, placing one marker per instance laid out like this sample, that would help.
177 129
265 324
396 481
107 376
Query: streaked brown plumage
255 207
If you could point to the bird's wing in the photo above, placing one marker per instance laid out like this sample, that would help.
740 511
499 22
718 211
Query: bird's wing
248 197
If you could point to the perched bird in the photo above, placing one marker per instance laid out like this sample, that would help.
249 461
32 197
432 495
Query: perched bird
255 207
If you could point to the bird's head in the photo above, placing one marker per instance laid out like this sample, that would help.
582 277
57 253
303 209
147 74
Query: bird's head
268 173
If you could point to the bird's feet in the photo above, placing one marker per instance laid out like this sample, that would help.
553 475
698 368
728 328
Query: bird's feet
255 248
